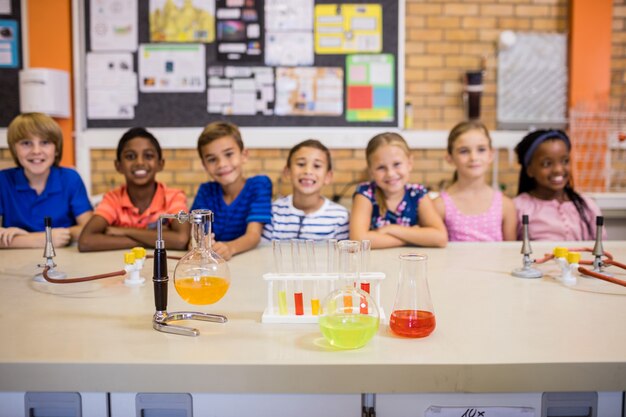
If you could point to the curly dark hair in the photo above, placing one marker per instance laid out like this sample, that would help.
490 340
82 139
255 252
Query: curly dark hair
525 151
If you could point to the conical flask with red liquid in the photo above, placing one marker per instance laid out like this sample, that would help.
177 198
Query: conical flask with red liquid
413 314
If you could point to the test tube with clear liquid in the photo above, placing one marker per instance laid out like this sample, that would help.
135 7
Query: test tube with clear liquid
282 291
366 246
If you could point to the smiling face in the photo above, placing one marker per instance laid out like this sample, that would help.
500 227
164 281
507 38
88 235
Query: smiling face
139 162
550 167
35 155
390 167
308 171
223 160
471 154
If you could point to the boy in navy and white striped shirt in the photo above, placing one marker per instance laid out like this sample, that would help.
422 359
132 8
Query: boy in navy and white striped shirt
306 214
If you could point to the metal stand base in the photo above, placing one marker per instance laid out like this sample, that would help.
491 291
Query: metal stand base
527 272
161 321
52 273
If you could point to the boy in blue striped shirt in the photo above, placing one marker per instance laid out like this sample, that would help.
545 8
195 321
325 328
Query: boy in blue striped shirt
241 206
306 214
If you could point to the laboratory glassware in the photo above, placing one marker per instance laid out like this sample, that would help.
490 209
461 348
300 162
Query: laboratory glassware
413 314
200 277
349 317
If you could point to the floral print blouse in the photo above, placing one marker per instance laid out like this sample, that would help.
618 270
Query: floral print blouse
406 212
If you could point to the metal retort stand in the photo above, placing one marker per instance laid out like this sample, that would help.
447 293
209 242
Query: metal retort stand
162 320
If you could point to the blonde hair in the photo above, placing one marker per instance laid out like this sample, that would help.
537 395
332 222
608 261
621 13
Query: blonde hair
35 124
460 129
217 130
382 139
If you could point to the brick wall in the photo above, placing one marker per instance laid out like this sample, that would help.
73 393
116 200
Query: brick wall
443 39
5 159
184 170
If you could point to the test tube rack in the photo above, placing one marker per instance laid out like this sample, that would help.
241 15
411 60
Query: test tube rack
326 282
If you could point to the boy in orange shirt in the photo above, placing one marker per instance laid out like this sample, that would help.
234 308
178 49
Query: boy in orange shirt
128 215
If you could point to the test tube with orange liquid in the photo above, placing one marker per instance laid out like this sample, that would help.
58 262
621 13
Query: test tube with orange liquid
349 265
311 265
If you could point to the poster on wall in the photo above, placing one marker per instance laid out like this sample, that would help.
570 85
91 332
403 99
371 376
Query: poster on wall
348 28
171 68
182 21
113 25
370 87
9 44
304 91
5 6
240 90
289 33
240 31
111 86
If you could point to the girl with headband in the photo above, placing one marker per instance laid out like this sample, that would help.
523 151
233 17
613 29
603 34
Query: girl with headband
546 192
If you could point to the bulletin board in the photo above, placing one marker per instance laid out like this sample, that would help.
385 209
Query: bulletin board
10 60
256 63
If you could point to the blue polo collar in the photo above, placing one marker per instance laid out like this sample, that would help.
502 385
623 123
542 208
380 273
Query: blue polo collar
53 183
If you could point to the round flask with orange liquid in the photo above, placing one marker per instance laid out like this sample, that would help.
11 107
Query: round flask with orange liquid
201 276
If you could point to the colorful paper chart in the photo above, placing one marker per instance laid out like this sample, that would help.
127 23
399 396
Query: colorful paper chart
348 28
370 82
182 21
9 44
239 30
302 91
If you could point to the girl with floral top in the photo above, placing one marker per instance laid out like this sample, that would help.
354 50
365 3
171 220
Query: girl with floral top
389 211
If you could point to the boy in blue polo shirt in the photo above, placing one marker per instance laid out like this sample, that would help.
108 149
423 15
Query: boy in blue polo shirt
241 206
38 187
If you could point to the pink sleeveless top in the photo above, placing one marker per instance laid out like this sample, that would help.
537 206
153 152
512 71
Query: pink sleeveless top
484 227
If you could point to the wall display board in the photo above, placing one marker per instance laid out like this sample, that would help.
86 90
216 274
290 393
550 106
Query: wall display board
259 63
10 60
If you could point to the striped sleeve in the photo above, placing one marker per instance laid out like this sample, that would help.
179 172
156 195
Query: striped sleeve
268 228
343 229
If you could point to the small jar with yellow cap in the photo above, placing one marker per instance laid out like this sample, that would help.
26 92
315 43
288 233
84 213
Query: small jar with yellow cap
133 261
569 274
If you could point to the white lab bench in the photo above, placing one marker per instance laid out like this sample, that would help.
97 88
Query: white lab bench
500 341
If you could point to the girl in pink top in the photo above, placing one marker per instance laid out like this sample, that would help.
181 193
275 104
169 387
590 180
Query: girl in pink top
472 210
546 193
